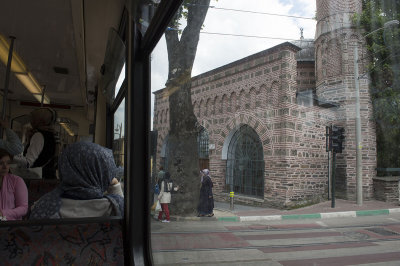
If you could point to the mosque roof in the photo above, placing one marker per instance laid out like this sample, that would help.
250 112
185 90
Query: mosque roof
307 50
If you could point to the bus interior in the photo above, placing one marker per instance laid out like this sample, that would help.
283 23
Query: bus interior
68 56
92 61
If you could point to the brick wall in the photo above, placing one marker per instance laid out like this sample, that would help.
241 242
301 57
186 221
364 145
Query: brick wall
260 91
386 188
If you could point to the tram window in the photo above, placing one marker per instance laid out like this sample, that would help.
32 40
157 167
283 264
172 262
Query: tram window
119 134
120 80
147 10
265 146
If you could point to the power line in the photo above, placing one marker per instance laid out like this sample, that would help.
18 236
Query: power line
253 12
247 36
251 36
262 13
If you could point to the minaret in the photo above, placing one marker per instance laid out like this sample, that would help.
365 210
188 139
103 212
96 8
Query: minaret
335 40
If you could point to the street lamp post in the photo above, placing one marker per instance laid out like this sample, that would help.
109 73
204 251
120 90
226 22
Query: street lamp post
359 182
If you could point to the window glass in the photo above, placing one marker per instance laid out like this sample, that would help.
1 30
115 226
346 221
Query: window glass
120 80
270 97
147 8
119 134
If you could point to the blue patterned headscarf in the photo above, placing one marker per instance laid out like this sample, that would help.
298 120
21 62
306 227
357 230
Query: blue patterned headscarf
86 170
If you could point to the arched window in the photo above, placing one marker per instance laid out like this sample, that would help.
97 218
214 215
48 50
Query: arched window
164 153
232 103
224 104
253 98
202 142
206 111
245 163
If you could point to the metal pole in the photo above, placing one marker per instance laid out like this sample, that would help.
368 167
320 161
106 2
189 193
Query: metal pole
329 176
359 183
333 178
7 81
42 99
232 193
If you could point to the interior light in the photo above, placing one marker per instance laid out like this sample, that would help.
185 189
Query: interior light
29 82
21 72
67 128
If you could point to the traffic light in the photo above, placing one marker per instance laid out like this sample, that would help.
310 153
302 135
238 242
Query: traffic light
337 137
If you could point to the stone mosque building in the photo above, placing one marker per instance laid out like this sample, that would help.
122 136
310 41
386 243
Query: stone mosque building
262 119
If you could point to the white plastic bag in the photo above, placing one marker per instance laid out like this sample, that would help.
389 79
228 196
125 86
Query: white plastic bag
158 206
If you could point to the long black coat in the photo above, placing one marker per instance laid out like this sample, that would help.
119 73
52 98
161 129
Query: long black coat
206 202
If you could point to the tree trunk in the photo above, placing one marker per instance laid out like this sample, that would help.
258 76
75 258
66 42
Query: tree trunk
182 142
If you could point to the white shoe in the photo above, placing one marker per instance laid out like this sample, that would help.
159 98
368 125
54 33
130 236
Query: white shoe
165 221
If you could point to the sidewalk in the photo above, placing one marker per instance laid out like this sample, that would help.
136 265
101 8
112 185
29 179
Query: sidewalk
323 210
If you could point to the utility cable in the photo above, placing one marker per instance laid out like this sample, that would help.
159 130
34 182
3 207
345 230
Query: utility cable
253 12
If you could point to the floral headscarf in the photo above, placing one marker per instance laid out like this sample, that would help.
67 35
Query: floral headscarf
86 170
205 172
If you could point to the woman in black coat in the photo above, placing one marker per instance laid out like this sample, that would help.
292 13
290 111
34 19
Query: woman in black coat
206 202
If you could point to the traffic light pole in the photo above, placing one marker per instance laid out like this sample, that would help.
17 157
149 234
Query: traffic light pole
334 144
333 178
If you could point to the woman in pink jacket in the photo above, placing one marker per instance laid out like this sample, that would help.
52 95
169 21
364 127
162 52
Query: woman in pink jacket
13 191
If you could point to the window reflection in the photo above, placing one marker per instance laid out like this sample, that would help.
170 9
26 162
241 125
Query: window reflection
120 80
119 134
148 8
262 114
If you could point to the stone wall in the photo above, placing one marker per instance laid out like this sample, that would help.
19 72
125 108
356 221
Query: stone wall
386 188
335 40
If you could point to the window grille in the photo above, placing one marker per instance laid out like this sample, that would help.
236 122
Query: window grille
245 163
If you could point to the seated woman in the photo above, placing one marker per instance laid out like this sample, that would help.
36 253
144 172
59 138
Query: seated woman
13 191
88 185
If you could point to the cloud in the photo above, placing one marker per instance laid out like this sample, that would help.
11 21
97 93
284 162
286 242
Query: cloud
217 50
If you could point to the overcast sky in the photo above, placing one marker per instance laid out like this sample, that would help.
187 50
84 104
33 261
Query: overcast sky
217 50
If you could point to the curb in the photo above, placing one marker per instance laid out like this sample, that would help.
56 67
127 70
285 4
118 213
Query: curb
327 215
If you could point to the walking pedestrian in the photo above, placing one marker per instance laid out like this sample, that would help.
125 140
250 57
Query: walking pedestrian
164 197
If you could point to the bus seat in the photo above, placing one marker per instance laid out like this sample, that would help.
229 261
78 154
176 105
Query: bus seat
37 188
62 243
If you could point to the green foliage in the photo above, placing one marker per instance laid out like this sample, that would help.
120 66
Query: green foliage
384 68
181 16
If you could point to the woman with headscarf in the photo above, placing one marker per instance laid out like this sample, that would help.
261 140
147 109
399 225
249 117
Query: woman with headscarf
42 146
206 202
88 185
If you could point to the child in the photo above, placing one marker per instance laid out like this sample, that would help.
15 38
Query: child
165 197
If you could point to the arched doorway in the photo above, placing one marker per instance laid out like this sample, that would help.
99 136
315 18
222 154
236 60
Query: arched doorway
245 163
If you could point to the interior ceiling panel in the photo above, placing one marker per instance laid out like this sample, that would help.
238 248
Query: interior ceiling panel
68 34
